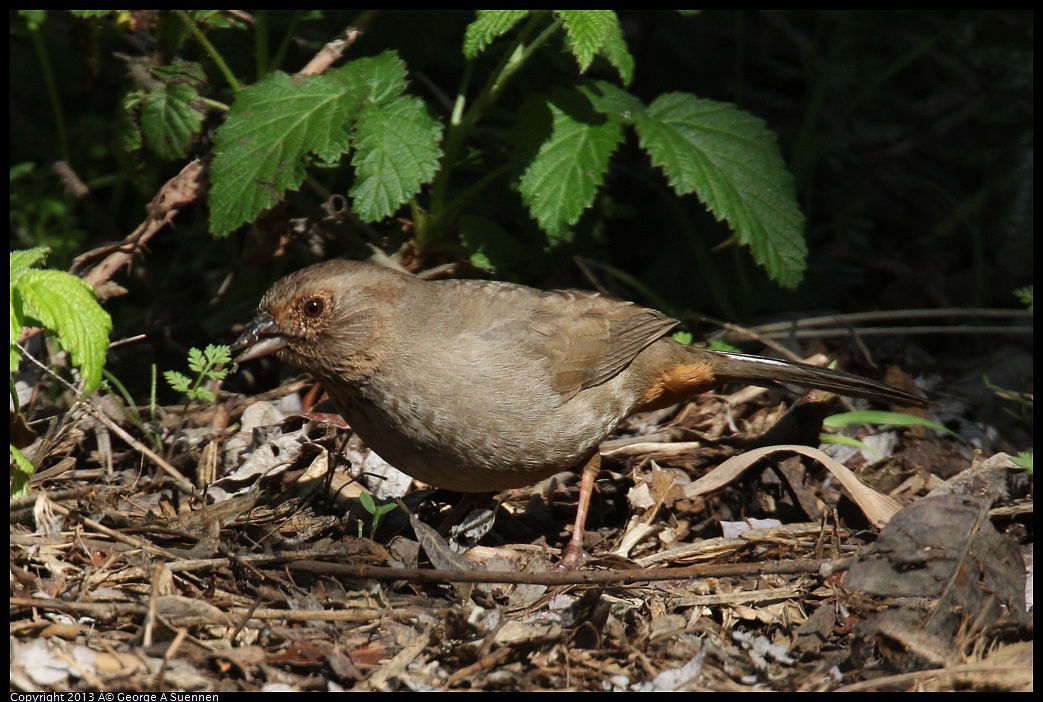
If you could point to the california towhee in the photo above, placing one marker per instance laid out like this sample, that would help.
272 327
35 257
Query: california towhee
480 386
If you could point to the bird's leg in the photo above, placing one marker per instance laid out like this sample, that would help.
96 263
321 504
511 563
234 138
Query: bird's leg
573 554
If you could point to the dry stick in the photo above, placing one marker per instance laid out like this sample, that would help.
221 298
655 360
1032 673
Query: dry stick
142 544
103 611
825 566
182 482
332 51
811 327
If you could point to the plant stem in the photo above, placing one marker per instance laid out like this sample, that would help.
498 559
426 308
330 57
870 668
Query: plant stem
430 227
214 54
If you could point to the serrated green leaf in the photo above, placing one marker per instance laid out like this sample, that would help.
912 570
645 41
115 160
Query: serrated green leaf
397 151
617 52
128 125
217 354
611 99
1023 460
173 115
277 125
593 32
91 13
732 162
66 306
34 18
489 25
1024 294
377 78
202 394
22 473
565 174
196 362
268 138
21 261
492 247
179 382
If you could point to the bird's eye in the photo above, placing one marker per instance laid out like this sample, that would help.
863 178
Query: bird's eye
313 307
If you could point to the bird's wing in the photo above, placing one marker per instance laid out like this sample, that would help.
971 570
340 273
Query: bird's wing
589 338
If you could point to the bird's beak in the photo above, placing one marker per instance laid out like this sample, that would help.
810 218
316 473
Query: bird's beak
261 338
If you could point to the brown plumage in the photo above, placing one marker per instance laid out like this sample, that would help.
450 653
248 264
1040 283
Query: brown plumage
481 386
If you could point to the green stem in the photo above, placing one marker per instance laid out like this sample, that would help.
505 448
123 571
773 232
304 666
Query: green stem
212 51
442 211
287 39
261 52
52 90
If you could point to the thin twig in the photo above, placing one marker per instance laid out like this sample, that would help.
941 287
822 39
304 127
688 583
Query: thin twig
182 482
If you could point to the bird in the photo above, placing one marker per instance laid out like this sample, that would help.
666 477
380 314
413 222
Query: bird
479 386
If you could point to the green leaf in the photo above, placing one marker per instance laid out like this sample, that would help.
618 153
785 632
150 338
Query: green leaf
565 174
732 162
34 17
1024 294
66 306
878 417
21 473
196 363
376 79
179 382
397 151
279 124
216 355
1023 460
267 139
719 345
21 261
91 13
172 116
593 32
492 247
611 99
489 25
848 441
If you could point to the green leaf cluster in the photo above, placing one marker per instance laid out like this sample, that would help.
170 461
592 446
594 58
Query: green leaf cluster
167 112
375 511
558 151
207 366
281 124
65 306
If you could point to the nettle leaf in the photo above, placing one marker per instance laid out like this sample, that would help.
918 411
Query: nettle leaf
267 140
66 306
397 151
593 32
731 160
278 125
489 25
377 78
565 174
21 261
173 115
611 99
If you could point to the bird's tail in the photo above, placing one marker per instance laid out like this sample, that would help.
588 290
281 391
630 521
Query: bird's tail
759 370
